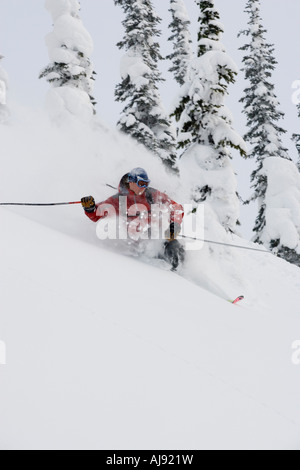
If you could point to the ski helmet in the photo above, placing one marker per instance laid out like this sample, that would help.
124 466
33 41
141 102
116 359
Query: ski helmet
138 174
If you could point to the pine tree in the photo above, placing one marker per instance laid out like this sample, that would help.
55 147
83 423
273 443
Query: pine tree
181 39
143 116
205 124
4 111
264 135
70 46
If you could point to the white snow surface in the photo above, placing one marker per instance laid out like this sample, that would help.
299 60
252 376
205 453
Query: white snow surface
180 10
4 112
66 103
200 168
70 32
2 92
133 66
282 202
105 351
3 84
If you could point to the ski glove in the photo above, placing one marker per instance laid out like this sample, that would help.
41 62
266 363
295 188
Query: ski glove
88 203
173 231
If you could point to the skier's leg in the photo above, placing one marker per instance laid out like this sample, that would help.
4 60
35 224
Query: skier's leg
174 253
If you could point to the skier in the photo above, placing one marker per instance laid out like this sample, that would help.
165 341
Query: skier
135 187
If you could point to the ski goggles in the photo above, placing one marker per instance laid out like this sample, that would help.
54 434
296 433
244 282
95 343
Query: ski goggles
142 183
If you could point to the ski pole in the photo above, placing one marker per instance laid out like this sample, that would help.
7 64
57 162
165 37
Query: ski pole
39 204
226 244
110 186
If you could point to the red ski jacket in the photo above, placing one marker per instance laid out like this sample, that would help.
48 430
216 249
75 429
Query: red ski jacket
134 205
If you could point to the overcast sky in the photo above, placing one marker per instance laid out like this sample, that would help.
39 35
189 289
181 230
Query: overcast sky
25 23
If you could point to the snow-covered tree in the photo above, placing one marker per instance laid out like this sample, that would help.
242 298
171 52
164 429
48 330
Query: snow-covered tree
265 137
144 117
282 208
70 72
205 125
4 111
181 39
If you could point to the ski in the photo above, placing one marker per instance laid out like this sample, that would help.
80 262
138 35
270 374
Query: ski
237 300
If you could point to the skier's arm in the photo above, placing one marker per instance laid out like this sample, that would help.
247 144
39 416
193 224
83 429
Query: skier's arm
93 215
91 208
89 205
176 210
173 231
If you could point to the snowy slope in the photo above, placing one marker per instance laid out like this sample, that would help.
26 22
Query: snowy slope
106 352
